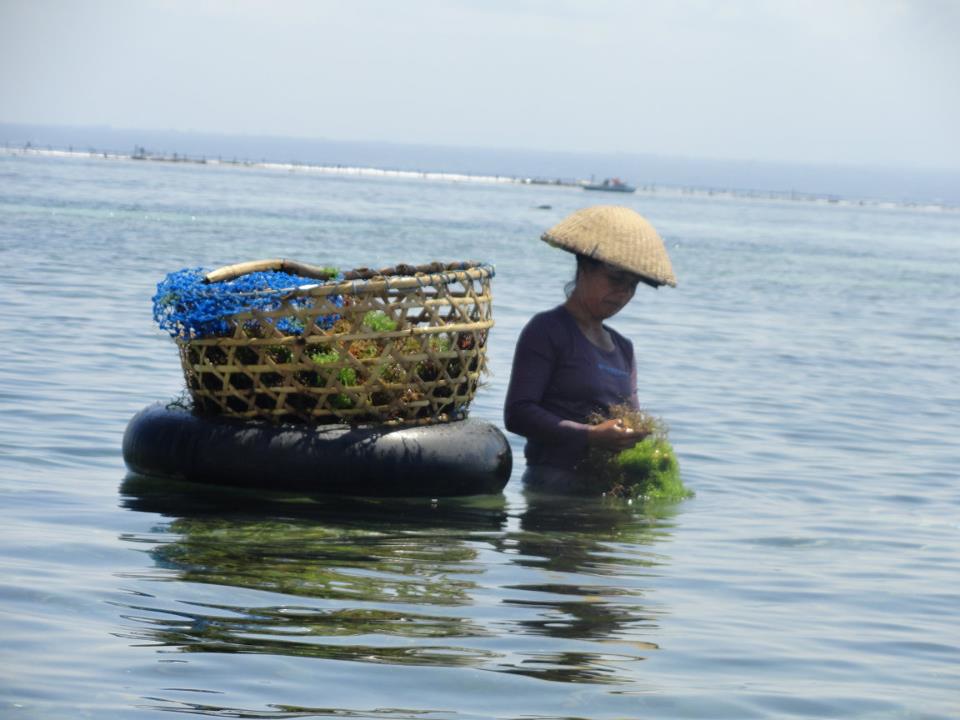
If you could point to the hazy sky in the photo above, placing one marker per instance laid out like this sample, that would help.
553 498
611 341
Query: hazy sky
855 81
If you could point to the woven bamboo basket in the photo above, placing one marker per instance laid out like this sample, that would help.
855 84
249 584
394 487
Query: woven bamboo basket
404 344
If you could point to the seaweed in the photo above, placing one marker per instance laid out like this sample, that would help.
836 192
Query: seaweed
647 471
365 349
379 321
346 376
650 470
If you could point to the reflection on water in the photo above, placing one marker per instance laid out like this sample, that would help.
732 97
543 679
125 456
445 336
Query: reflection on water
553 591
302 558
591 587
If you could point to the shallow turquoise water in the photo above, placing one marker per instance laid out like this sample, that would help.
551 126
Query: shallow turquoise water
807 366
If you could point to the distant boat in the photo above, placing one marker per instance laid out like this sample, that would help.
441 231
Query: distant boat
610 185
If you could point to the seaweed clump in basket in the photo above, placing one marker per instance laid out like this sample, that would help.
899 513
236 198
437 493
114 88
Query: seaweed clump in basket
294 342
647 471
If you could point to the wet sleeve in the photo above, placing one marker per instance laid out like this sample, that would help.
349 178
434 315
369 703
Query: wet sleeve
534 360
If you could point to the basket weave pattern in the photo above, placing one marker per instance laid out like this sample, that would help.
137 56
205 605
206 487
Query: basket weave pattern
402 345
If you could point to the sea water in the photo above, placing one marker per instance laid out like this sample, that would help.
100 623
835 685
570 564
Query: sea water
808 366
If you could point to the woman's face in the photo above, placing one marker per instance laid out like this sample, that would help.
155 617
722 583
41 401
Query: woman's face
604 290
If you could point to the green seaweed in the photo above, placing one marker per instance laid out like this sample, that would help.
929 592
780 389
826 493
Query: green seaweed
440 343
346 376
379 321
647 471
324 357
650 470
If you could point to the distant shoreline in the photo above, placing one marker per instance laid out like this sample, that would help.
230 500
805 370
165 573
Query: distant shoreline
141 155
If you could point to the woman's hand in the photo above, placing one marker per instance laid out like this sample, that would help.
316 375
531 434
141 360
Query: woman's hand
613 435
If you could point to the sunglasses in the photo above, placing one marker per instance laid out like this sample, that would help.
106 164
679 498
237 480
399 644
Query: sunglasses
620 279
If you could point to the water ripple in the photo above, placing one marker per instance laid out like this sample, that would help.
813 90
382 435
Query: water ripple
806 366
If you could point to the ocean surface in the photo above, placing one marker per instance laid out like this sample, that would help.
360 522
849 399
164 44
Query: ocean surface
808 366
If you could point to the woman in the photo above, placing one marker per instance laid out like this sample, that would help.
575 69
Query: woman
569 365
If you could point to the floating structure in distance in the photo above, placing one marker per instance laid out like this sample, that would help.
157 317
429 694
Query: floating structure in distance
610 185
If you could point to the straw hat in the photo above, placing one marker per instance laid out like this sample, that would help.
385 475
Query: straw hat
618 236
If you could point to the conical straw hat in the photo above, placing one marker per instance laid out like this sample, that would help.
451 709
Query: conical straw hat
618 236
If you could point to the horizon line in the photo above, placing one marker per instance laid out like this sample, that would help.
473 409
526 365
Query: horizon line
580 152
440 176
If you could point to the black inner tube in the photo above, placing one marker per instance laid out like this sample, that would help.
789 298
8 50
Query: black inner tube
467 457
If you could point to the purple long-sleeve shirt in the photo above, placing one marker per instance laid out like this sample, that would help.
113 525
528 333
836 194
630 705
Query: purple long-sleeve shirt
559 379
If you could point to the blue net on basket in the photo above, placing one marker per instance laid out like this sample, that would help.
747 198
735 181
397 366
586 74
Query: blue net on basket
187 307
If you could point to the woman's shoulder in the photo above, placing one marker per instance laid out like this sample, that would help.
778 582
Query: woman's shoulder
550 321
554 316
550 326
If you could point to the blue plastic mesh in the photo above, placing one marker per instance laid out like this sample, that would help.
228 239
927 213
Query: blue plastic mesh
187 307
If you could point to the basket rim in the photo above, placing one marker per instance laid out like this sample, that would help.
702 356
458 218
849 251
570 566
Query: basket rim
359 286
357 280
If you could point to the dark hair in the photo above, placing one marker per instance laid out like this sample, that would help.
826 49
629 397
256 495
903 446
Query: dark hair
584 262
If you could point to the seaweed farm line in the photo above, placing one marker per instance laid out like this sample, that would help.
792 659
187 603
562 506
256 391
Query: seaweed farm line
647 188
